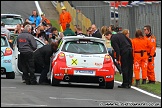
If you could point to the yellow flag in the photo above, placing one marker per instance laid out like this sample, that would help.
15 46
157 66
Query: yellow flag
61 30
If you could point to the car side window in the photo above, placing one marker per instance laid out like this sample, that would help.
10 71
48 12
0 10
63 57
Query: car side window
39 44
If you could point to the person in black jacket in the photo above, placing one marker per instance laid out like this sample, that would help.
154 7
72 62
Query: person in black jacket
96 33
42 60
123 47
26 45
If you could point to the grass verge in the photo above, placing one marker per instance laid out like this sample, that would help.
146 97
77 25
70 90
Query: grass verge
152 88
55 24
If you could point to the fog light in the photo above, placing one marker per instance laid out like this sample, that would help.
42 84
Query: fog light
57 74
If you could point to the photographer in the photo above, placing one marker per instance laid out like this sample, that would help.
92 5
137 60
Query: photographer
53 35
41 34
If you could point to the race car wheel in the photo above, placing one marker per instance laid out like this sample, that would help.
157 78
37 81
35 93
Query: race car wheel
54 82
109 85
10 75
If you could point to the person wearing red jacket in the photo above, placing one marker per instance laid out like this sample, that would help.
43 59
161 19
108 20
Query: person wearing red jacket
140 44
150 68
65 18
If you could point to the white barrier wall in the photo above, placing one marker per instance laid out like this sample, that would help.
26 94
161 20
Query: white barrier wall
158 65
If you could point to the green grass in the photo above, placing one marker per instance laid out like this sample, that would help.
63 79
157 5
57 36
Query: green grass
152 88
55 24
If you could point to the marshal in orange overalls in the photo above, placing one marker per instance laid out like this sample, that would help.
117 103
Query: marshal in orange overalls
140 47
65 18
150 67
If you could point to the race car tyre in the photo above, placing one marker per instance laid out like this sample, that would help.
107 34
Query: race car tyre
54 82
10 75
109 85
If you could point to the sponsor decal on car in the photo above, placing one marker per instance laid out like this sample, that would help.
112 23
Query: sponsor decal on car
98 64
71 55
74 61
6 61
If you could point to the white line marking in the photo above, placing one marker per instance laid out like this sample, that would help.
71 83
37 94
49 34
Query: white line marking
22 104
140 90
38 7
8 87
80 99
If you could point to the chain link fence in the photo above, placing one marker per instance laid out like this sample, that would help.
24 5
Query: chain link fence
137 16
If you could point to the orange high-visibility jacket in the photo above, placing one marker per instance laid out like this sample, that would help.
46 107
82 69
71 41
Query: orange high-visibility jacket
139 44
46 20
152 40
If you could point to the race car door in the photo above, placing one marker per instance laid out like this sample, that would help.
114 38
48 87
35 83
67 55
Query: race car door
16 64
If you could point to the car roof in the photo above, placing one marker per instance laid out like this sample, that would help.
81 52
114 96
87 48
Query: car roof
82 37
16 15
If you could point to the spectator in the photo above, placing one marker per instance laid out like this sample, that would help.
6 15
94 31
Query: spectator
44 21
27 20
96 33
26 45
35 18
75 28
140 45
112 29
18 29
104 29
150 67
123 48
89 32
42 34
49 26
33 32
42 61
68 31
80 32
65 18
25 23
5 30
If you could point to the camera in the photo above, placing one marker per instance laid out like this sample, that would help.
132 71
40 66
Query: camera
44 23
53 36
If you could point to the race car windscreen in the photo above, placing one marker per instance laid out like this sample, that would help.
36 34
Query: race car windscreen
84 47
11 21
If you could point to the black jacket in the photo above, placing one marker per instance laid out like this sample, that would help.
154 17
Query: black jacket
43 54
26 42
97 34
120 44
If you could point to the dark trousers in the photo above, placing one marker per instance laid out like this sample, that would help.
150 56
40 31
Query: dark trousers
28 68
127 67
40 68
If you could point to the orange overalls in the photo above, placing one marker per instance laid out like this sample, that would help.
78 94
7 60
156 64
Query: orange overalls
65 18
140 47
150 68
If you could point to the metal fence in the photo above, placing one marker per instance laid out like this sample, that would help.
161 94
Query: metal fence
97 11
137 16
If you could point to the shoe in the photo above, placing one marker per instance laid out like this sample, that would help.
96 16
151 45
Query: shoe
151 82
34 83
27 82
143 81
124 86
137 83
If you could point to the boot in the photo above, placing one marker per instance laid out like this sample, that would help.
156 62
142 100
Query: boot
137 83
143 81
151 82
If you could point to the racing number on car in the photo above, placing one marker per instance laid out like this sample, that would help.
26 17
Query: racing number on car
74 62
